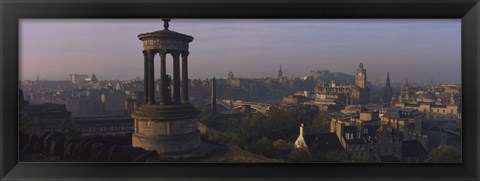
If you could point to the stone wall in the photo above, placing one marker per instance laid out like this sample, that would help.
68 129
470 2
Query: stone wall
84 149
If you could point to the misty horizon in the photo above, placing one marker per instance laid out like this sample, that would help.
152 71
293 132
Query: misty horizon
417 50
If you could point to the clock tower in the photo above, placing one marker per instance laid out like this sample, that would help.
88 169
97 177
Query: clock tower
361 76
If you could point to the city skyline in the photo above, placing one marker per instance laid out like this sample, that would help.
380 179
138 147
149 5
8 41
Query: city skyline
416 50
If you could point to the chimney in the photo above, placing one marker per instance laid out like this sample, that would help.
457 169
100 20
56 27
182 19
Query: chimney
214 95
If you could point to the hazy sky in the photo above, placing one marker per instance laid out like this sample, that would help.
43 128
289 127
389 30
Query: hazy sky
413 49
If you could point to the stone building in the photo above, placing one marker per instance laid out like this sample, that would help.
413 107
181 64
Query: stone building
406 121
77 78
92 79
380 134
438 103
82 105
46 116
294 99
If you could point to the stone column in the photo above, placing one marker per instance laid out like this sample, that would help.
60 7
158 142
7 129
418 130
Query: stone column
151 78
185 77
163 73
214 95
176 76
145 77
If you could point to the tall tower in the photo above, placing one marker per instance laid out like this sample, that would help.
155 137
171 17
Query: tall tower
230 74
38 78
167 124
280 73
387 82
361 76
405 91
214 95
387 91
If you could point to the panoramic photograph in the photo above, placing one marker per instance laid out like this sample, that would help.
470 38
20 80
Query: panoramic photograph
240 90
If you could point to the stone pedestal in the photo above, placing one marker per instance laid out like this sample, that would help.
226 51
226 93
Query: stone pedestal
167 129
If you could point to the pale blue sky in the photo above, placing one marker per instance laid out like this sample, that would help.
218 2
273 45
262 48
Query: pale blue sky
413 49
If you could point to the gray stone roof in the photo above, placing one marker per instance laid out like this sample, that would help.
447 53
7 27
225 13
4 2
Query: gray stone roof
166 34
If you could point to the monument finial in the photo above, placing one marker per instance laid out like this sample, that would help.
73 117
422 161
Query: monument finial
165 23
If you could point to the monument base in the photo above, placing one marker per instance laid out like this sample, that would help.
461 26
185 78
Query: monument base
167 129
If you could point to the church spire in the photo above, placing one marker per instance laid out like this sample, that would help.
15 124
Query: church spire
387 91
280 72
300 142
387 82
230 74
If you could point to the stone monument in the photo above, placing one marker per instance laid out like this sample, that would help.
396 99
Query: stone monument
167 124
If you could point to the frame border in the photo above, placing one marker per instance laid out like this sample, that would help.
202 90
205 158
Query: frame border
12 11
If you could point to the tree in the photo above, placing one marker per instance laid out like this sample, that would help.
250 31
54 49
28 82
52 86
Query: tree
282 147
228 137
263 147
254 126
217 138
321 123
70 129
210 118
444 153
281 144
276 119
27 126
279 118
300 155
235 138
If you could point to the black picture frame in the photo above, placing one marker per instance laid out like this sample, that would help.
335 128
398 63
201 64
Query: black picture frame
11 11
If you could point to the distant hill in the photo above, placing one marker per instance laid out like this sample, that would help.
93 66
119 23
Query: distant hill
325 76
